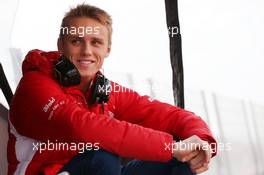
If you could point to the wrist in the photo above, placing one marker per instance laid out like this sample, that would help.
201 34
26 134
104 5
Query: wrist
174 148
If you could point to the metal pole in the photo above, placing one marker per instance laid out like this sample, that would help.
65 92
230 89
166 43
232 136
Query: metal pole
5 86
175 51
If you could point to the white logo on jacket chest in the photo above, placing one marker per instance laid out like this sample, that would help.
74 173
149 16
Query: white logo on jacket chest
110 114
48 105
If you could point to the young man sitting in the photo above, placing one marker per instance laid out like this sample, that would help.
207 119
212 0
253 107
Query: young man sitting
64 119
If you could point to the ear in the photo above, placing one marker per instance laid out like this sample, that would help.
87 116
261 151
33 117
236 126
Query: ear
108 51
60 45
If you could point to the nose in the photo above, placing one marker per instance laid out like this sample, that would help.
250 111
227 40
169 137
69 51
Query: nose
86 49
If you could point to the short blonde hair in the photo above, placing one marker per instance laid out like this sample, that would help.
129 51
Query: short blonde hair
89 11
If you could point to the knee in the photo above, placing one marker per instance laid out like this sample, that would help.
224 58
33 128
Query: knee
106 161
181 168
105 156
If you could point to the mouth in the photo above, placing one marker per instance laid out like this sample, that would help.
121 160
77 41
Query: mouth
85 62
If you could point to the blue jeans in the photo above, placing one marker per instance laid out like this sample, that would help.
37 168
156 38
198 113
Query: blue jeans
105 163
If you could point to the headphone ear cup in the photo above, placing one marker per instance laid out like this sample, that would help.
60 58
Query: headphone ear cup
101 89
66 72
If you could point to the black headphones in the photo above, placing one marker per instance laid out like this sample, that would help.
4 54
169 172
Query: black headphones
66 72
68 75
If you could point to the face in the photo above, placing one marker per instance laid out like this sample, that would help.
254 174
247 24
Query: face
86 45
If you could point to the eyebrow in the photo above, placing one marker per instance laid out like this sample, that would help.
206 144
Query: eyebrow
97 38
74 36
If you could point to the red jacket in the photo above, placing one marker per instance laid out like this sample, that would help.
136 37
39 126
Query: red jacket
133 126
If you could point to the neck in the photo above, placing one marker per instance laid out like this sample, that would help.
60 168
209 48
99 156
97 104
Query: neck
84 85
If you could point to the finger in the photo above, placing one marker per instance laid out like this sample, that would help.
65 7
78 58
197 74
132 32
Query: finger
189 146
207 150
207 153
199 165
201 169
190 156
194 140
197 161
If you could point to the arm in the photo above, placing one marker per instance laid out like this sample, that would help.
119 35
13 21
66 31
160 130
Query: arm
160 116
37 95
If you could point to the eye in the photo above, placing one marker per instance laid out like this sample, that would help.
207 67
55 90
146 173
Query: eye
96 42
76 42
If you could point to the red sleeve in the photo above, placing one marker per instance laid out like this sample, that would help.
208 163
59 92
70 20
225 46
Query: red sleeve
150 113
37 95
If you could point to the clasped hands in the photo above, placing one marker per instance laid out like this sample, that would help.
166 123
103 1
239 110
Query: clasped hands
195 151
